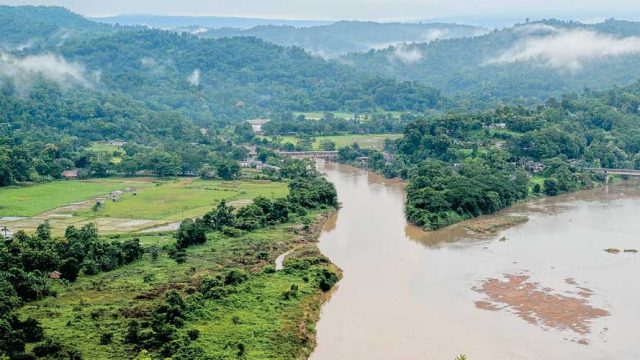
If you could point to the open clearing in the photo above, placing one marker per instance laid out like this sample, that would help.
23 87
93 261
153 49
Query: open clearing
367 141
188 197
157 204
36 199
319 115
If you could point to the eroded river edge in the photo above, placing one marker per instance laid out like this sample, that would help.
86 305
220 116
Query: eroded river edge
407 294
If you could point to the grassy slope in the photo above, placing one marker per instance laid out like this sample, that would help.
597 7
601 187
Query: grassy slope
169 200
256 315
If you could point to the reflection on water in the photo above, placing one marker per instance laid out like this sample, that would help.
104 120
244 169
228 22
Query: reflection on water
407 294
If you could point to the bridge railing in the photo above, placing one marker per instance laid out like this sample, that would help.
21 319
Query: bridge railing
616 171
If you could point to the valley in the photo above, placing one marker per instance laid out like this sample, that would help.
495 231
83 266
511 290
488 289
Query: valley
269 187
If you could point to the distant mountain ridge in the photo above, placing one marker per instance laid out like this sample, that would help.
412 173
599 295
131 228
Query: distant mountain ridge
350 36
524 64
175 22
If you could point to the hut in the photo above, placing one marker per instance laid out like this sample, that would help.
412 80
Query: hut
115 195
70 174
56 275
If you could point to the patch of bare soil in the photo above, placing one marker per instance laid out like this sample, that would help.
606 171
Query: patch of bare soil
541 306
494 224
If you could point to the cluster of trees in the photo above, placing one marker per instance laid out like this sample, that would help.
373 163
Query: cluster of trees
388 165
375 123
25 264
440 194
164 331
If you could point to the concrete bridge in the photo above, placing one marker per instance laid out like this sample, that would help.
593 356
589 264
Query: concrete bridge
310 154
607 172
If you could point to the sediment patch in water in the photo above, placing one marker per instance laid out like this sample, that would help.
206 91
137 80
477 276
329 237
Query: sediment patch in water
490 225
541 306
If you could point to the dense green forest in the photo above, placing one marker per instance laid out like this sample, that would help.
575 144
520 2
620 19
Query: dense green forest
526 63
219 81
210 81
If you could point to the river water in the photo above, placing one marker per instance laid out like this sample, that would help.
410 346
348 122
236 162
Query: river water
407 294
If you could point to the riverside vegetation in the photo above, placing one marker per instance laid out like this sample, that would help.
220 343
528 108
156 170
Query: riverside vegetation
211 293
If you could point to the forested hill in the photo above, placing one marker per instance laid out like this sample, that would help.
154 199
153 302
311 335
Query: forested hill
525 63
349 36
33 26
210 81
232 79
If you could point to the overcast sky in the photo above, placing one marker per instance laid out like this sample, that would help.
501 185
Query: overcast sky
355 9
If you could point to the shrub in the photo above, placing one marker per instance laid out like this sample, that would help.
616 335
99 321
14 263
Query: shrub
106 338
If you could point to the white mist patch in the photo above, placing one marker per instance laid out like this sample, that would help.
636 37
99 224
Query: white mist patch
22 71
147 61
568 49
535 28
406 54
436 34
194 78
199 31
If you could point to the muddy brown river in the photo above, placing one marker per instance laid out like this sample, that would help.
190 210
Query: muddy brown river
545 289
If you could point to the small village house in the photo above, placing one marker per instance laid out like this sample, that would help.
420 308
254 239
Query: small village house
115 195
70 174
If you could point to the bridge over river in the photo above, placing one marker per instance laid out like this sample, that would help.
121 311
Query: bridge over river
310 154
607 172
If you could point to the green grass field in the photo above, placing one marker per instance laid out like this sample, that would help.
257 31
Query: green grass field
319 115
368 141
108 149
155 200
183 198
36 199
254 314
102 147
